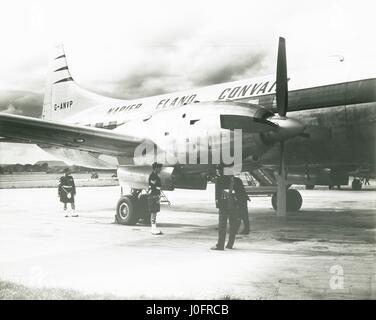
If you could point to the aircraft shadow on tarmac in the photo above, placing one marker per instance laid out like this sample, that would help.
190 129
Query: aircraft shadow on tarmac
184 208
322 226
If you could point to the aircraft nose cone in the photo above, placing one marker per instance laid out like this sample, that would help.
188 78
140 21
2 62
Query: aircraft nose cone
287 128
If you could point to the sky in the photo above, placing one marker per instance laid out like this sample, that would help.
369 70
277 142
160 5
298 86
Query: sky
130 49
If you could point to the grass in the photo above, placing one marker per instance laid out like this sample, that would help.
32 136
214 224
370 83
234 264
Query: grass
12 291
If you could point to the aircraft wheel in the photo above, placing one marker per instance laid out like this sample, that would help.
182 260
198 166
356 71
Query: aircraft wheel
356 184
294 200
310 186
126 212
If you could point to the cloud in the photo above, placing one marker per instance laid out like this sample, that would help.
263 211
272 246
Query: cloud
229 67
177 67
22 153
21 102
12 110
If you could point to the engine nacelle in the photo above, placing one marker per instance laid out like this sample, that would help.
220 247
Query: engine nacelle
137 177
191 181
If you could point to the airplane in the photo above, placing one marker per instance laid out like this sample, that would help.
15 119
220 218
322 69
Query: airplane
329 133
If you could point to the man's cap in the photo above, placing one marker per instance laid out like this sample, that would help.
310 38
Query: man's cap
157 165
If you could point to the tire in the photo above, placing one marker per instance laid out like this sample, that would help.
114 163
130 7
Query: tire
143 209
356 185
294 200
310 186
126 212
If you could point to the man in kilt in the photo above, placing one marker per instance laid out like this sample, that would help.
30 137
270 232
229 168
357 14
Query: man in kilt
154 196
67 191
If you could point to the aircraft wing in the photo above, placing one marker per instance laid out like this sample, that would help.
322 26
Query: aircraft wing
10 140
52 133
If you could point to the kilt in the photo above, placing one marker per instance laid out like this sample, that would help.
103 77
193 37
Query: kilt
66 195
153 203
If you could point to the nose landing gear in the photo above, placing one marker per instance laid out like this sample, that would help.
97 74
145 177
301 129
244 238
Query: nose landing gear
131 208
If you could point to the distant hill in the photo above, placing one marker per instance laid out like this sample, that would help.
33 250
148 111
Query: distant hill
51 163
53 166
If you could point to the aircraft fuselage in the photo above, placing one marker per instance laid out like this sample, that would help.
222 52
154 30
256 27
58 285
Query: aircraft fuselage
340 119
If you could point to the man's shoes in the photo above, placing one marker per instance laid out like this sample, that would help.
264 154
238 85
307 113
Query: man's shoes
66 216
75 215
217 248
228 247
154 230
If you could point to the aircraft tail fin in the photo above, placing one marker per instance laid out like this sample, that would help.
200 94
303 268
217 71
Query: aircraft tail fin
63 96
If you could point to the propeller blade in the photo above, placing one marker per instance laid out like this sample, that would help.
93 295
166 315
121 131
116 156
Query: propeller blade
281 86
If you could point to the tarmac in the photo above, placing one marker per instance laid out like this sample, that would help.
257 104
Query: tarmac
325 251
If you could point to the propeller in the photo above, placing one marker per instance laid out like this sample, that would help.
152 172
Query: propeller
282 106
287 127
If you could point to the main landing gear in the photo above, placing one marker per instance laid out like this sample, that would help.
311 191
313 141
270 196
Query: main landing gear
294 200
132 208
